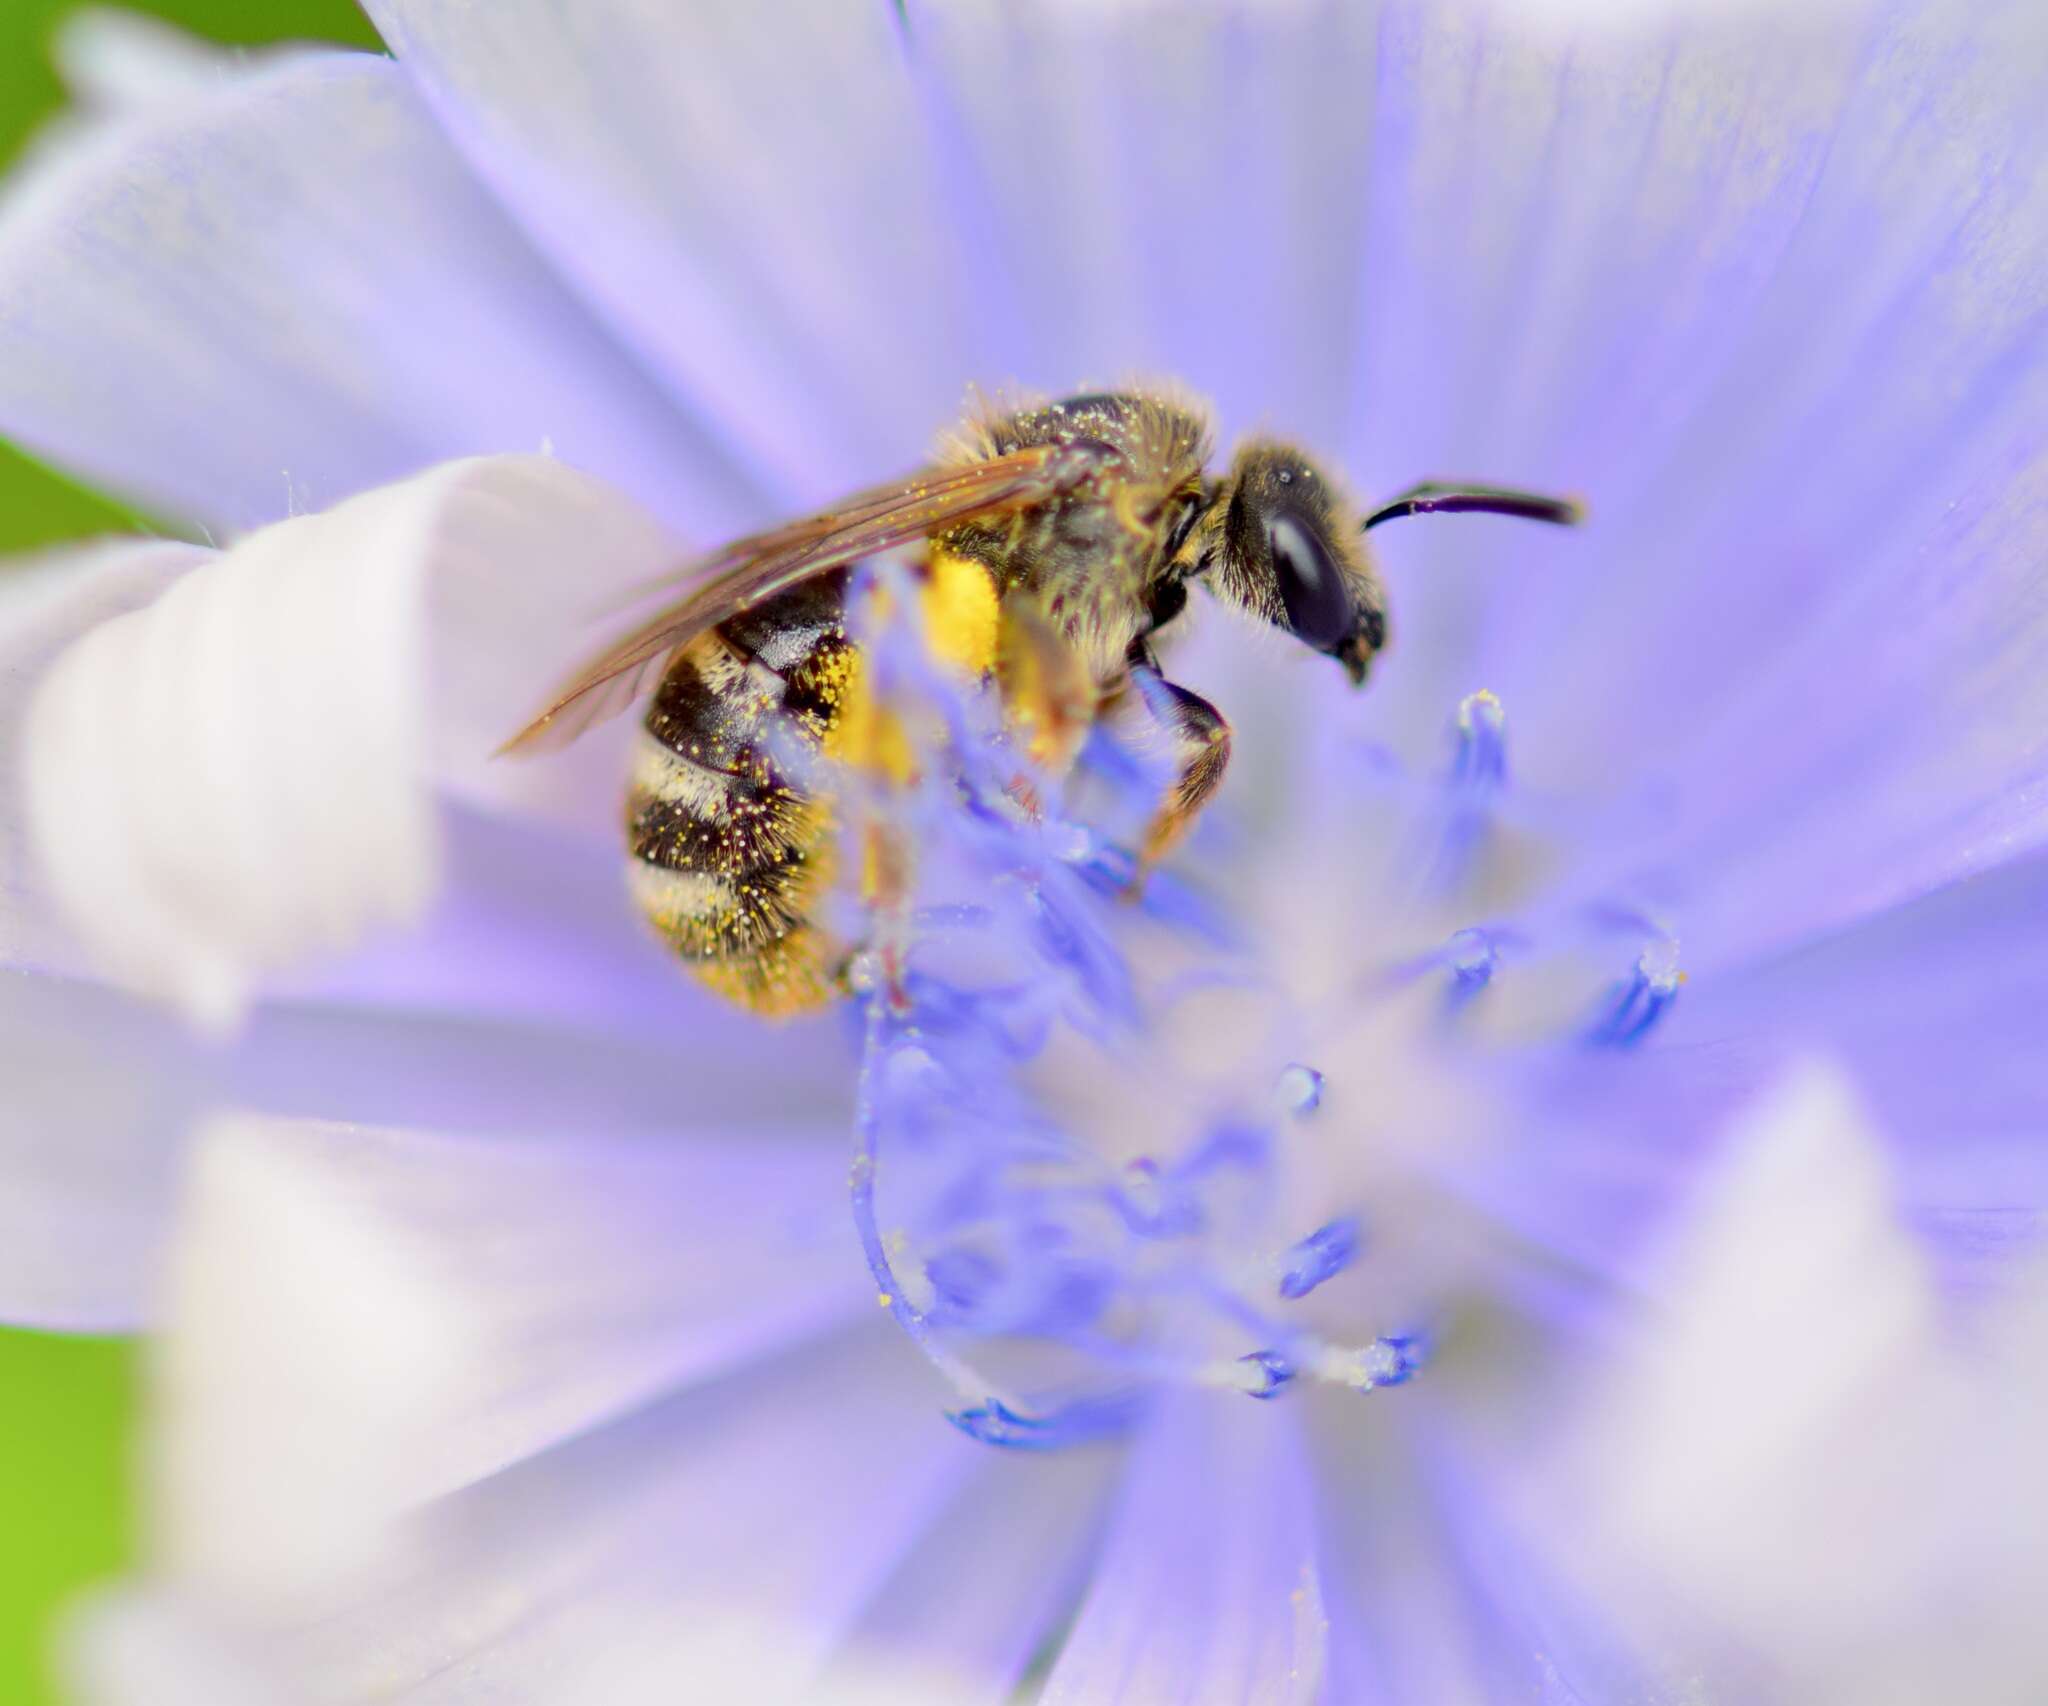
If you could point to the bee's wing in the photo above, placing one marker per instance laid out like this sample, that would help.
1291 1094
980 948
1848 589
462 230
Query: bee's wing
752 570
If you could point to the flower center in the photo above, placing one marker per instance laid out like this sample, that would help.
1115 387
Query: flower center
1098 1149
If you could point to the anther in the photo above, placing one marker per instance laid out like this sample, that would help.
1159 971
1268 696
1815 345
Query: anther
1387 1361
1300 1089
1481 729
1263 1374
1472 958
1322 1255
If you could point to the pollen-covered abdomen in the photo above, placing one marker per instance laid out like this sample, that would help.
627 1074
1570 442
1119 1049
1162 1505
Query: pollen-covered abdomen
731 852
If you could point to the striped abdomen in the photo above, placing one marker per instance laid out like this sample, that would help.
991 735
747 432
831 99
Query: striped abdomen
731 853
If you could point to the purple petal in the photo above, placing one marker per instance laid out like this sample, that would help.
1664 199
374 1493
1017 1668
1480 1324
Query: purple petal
1931 1008
1440 1588
763 224
1769 299
1208 1588
985 1588
1144 107
288 288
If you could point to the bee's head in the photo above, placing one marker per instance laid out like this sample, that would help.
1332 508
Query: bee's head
1281 543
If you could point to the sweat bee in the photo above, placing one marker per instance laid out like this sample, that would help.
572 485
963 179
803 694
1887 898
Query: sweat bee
1052 543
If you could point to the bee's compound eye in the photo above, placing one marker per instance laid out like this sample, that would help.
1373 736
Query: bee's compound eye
1318 602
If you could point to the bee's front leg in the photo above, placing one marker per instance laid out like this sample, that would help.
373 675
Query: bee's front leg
1201 752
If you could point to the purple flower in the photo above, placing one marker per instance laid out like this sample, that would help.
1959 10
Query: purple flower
1539 1201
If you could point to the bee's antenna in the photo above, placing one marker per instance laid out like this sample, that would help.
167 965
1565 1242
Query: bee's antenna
1434 496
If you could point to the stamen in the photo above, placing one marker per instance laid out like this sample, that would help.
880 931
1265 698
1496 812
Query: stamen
1322 1255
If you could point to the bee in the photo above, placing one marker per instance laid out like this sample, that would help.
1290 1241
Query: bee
1052 545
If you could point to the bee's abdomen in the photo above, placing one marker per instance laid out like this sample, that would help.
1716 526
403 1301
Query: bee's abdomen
731 853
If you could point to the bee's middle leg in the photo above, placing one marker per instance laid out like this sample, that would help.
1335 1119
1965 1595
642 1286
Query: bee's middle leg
1049 699
1201 753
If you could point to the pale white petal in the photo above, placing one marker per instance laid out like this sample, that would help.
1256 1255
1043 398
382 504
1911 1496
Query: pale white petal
239 777
1794 1454
45 605
150 1647
98 1091
368 1322
103 1093
285 287
763 223
714 1547
362 1318
111 59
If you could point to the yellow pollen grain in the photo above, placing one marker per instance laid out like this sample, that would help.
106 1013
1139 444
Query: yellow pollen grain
960 612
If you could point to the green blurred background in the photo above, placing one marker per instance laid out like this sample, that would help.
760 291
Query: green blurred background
67 1406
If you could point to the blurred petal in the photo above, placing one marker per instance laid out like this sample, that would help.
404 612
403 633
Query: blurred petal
1439 1590
762 224
1763 1458
711 1547
45 605
433 1308
1932 1007
103 1093
1208 1589
111 59
239 777
984 1591
148 1647
98 1093
1935 1008
287 288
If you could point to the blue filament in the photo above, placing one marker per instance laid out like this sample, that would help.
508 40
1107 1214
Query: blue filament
996 1423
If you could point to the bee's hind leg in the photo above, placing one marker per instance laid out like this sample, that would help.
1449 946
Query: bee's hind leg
1201 752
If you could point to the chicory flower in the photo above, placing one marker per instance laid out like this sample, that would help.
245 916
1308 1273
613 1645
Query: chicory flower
1526 1206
